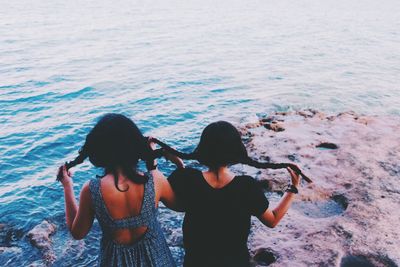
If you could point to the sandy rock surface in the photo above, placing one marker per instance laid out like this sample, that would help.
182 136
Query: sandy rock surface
350 215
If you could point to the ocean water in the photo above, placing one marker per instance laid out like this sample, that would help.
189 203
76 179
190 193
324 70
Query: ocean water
173 67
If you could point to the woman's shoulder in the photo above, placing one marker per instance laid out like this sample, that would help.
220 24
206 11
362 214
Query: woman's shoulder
247 182
184 178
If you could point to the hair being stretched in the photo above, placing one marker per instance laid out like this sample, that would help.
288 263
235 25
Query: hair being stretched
116 143
221 145
268 165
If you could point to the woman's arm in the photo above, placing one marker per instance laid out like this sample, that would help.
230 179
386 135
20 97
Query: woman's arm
272 218
79 219
166 194
164 190
174 159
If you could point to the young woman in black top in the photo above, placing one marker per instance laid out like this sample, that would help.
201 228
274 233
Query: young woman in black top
219 204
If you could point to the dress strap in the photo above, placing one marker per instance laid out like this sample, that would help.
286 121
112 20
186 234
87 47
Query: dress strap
98 202
150 194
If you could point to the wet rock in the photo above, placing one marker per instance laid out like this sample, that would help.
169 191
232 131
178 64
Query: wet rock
40 234
264 257
40 238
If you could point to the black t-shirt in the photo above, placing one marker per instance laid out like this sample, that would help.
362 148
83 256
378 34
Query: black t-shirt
217 221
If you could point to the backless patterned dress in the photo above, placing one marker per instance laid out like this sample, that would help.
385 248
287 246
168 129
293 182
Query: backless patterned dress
150 250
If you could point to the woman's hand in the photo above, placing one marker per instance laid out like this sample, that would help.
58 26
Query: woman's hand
295 177
151 165
151 143
272 218
174 159
64 176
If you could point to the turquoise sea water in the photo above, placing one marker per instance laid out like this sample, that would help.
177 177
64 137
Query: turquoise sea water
172 66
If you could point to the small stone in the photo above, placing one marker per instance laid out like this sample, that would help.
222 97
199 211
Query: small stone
274 126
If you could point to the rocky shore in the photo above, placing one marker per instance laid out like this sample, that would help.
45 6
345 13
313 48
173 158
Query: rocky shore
350 215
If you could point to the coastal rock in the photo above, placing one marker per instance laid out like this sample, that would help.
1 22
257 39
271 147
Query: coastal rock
40 238
274 126
348 215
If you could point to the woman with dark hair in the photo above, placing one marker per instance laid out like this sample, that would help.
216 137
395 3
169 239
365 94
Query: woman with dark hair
124 200
219 204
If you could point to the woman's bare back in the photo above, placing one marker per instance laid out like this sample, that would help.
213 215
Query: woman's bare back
121 205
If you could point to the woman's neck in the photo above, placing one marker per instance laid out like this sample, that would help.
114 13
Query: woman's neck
218 178
122 178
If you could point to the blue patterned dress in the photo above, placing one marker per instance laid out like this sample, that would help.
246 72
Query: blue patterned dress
150 250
